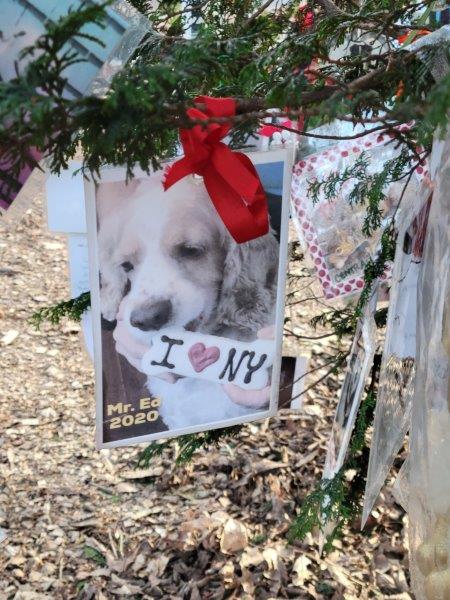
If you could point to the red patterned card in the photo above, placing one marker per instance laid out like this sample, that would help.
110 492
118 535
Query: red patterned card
331 230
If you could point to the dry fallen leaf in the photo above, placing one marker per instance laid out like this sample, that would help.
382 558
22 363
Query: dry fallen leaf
9 337
30 422
227 572
3 534
338 573
194 531
234 537
300 571
252 557
156 566
271 557
126 488
248 582
141 473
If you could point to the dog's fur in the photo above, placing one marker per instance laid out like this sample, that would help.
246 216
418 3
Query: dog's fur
172 246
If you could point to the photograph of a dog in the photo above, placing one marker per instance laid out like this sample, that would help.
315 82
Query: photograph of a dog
166 260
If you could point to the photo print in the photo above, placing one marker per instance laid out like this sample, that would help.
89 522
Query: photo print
187 323
398 368
359 363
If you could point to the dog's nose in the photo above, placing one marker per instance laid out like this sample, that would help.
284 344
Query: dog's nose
153 316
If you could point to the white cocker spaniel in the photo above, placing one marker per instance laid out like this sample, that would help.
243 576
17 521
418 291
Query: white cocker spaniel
167 260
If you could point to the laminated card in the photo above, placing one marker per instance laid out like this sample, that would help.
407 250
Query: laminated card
187 322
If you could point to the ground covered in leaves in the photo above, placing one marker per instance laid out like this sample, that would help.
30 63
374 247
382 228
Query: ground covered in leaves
80 523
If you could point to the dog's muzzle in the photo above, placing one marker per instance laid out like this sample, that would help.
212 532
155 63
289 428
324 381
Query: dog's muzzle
152 316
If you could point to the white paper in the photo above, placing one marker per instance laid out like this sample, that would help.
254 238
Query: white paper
65 200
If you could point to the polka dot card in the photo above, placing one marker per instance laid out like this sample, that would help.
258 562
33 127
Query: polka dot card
331 229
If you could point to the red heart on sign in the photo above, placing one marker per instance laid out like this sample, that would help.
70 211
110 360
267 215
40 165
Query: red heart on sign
201 357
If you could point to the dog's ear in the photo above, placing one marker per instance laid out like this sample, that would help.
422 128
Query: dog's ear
113 279
113 199
248 294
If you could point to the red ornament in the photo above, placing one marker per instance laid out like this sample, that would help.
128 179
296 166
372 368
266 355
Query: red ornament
269 129
305 17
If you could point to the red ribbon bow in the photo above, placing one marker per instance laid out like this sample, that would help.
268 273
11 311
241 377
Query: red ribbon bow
230 177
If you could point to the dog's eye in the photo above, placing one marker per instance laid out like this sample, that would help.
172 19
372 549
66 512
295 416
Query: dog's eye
189 251
127 266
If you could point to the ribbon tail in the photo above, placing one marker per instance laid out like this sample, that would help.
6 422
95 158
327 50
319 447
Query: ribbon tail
237 170
244 222
177 171
258 207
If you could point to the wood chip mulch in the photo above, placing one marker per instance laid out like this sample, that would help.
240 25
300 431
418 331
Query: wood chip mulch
80 523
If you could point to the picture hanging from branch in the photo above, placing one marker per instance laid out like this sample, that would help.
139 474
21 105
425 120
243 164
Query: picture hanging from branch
187 322
398 368
358 367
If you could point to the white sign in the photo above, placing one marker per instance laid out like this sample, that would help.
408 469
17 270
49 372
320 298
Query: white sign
209 357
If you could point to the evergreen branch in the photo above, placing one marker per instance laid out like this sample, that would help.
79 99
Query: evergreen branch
370 190
331 185
343 322
159 85
338 500
185 446
325 503
319 136
376 268
72 309
436 111
259 11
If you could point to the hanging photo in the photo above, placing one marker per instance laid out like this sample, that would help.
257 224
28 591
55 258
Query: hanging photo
187 322
331 229
359 363
21 25
397 375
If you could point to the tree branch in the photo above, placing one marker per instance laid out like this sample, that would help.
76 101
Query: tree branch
330 8
256 14
332 137
366 82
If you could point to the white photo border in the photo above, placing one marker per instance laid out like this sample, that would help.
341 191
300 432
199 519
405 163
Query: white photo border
284 155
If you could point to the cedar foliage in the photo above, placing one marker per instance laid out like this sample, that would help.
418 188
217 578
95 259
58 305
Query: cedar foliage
261 53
